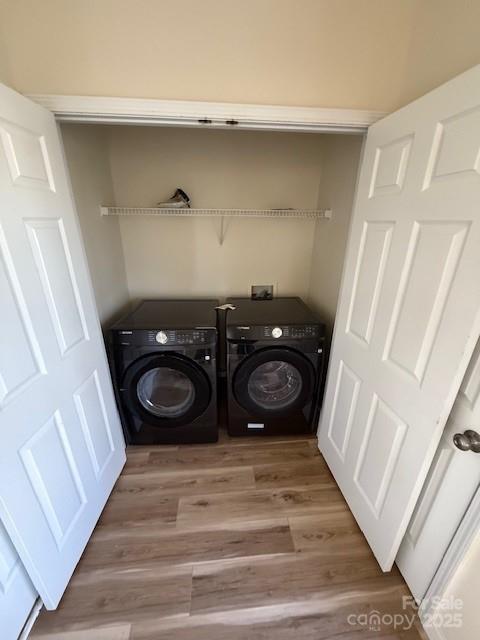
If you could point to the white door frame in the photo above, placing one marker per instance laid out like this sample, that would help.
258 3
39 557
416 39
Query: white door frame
220 115
459 546
110 110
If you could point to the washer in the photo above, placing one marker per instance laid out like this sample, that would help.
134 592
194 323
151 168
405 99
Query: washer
163 361
275 363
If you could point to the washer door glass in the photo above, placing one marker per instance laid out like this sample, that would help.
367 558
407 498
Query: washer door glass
275 385
165 392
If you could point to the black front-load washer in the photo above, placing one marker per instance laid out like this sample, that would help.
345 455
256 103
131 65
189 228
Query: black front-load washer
275 363
163 361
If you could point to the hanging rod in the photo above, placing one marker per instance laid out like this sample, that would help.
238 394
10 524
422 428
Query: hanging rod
218 213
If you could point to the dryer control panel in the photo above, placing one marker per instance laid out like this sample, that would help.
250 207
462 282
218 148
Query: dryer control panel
165 337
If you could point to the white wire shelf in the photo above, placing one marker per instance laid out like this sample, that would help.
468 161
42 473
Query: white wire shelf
325 214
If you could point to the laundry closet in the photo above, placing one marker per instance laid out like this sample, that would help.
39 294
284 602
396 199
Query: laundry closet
137 255
134 255
407 320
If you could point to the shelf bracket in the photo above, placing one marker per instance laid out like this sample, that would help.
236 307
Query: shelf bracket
223 230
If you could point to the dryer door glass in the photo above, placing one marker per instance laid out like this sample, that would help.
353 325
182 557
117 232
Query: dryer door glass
165 392
275 385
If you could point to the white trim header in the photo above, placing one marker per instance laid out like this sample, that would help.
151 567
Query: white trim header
97 109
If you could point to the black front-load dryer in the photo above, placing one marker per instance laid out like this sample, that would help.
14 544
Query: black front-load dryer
275 363
163 361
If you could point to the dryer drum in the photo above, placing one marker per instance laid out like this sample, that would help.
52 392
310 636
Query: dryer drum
165 392
274 381
168 390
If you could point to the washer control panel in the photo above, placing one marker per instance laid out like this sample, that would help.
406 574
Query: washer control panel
166 337
178 336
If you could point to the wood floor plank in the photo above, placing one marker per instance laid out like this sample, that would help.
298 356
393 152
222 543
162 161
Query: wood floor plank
257 504
123 594
287 474
109 632
132 487
138 455
176 547
209 457
292 629
321 618
259 582
248 539
118 511
313 442
333 533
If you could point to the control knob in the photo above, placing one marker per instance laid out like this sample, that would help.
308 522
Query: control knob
277 332
161 337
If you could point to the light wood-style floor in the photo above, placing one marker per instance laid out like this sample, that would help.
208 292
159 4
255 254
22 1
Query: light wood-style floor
241 540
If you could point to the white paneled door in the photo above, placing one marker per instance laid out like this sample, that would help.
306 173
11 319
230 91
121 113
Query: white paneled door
61 442
452 481
409 311
17 593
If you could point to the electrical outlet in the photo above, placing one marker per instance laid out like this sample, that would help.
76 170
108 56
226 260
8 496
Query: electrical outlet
262 291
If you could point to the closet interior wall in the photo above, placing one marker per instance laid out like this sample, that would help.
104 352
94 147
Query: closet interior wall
88 161
337 191
139 257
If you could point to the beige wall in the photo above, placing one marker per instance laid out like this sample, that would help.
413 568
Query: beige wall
465 585
160 257
183 257
375 54
445 41
5 75
337 187
339 53
87 157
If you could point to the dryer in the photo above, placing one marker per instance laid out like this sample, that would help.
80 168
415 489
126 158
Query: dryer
275 366
163 362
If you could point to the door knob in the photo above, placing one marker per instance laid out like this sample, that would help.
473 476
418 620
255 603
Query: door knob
469 440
